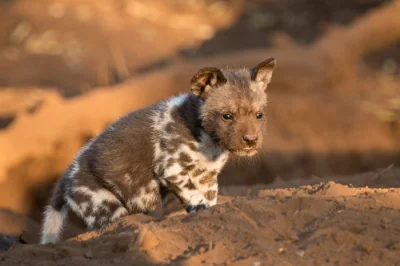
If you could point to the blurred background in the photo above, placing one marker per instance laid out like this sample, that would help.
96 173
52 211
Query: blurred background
68 68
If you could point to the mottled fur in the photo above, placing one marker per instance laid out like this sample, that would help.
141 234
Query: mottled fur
179 145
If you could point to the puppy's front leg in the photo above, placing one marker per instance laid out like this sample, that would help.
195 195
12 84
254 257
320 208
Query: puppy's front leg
183 187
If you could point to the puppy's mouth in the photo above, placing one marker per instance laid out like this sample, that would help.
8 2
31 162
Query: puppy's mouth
245 152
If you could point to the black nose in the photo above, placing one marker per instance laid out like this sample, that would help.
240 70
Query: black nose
250 140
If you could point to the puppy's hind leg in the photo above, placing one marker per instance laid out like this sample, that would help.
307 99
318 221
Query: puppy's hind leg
95 205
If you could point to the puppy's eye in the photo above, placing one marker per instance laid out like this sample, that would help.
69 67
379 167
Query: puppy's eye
259 115
227 116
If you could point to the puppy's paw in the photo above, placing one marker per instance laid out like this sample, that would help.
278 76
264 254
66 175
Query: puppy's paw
196 208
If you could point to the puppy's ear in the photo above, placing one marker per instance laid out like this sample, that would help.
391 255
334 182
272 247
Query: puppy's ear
206 79
262 73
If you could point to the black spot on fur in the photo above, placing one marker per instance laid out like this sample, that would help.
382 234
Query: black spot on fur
172 178
169 128
188 116
208 177
198 172
184 158
189 185
192 146
211 194
189 167
163 143
170 162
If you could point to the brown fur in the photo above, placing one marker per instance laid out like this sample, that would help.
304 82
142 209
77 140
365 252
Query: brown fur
211 194
240 93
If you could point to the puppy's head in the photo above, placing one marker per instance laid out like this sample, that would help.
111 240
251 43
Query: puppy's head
234 103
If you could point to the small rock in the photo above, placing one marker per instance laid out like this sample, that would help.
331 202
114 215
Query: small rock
149 241
294 238
300 253
281 250
280 195
256 263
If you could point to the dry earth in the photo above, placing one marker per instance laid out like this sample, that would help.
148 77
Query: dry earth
323 224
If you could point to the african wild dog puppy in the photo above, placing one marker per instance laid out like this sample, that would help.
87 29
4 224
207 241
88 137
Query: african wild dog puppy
178 145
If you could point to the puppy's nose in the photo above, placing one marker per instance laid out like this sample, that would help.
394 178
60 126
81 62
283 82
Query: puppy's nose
250 140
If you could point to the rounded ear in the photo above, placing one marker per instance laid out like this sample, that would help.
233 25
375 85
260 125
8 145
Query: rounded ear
206 79
263 71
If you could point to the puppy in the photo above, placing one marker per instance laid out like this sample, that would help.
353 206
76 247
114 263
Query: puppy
178 145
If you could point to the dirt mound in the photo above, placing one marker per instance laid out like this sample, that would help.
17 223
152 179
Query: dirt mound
328 224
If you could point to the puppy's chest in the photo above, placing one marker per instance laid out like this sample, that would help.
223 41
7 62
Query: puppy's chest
200 161
181 147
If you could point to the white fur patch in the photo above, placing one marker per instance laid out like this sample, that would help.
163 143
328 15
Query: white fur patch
162 116
98 197
208 156
53 224
97 200
74 206
194 197
128 179
143 200
121 211
175 169
83 206
213 202
90 220
178 100
153 184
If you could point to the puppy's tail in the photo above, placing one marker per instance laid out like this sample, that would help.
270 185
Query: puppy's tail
53 224
55 215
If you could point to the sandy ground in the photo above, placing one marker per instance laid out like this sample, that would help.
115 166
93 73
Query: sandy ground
322 224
